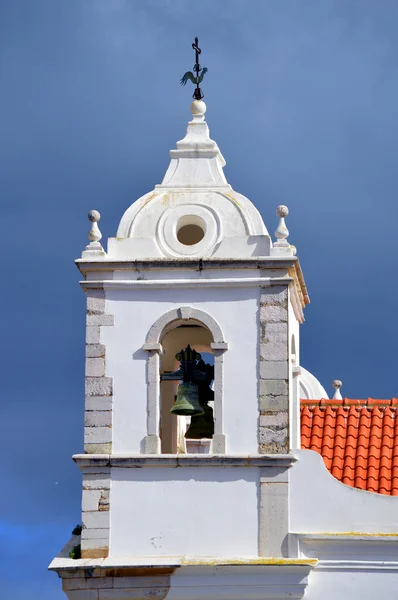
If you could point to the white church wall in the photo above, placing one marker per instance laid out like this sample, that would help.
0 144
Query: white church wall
206 511
349 584
321 503
235 309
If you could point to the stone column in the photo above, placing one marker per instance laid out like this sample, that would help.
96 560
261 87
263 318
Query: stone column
152 441
274 371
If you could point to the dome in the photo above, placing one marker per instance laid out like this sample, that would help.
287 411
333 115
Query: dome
309 386
194 212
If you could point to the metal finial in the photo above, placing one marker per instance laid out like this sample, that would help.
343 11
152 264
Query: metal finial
199 73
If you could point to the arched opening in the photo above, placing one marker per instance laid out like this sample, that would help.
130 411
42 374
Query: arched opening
173 428
212 341
191 230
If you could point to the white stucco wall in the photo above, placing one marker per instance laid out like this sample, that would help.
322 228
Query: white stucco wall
321 503
352 585
236 311
206 511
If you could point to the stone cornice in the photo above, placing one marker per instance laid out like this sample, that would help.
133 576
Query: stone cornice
291 264
117 284
183 460
108 264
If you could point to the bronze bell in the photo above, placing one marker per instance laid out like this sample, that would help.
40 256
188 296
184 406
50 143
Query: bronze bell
202 426
187 402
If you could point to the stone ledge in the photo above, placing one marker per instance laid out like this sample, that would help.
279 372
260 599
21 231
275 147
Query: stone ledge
183 460
193 263
156 562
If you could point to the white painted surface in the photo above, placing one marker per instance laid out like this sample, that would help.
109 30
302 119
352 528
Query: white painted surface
310 387
135 312
352 585
184 512
194 189
321 503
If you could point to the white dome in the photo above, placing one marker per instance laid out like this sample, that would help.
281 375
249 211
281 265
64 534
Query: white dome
194 212
309 386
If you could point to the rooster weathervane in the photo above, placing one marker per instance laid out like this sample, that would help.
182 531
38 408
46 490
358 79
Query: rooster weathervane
199 73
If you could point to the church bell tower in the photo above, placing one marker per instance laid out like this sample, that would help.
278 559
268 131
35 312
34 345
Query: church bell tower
191 408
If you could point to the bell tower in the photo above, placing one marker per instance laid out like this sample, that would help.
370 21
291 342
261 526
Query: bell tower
191 410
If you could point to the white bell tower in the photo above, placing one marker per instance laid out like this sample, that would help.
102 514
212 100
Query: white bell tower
192 264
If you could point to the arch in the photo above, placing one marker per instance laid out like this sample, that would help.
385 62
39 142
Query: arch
185 313
152 441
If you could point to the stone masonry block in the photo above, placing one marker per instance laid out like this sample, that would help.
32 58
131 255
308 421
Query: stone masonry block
95 520
96 482
98 386
273 314
88 535
274 332
274 420
95 350
273 436
95 306
92 335
100 320
102 552
274 403
90 500
82 594
98 448
87 583
97 435
274 295
274 350
98 418
274 448
95 367
273 387
142 582
272 369
99 403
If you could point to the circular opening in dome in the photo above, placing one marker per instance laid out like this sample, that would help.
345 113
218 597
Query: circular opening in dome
191 230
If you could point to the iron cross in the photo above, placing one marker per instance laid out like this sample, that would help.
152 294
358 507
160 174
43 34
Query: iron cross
198 73
197 68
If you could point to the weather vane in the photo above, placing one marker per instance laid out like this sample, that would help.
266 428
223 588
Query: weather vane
199 73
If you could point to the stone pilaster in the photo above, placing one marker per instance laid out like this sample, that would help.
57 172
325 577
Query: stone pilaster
274 371
98 406
95 512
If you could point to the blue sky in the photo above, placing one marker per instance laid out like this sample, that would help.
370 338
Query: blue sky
302 100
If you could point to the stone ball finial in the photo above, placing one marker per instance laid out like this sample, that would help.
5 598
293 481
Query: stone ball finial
282 231
282 211
198 108
94 234
337 385
94 216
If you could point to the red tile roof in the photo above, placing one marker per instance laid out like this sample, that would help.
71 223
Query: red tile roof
358 440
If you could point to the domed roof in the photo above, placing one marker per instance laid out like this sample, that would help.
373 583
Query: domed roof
194 212
310 387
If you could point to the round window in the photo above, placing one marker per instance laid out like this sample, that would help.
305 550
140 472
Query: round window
191 230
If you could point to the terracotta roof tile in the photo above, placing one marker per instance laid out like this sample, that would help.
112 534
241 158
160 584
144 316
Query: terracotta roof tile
358 440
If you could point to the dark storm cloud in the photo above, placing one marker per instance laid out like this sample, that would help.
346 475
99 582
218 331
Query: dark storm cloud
301 98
